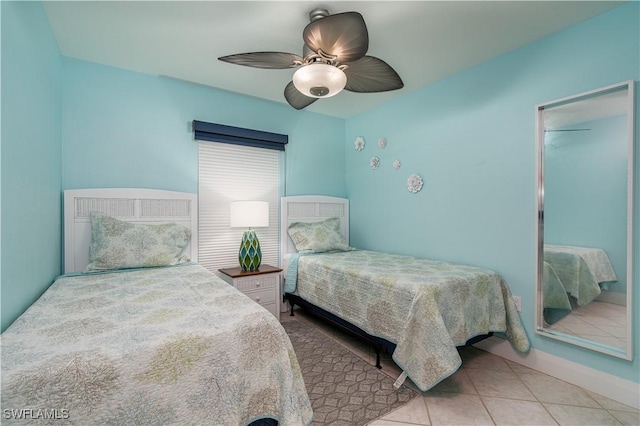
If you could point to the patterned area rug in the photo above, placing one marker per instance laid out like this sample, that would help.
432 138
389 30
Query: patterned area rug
343 389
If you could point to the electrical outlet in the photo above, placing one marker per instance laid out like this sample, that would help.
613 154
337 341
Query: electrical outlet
518 301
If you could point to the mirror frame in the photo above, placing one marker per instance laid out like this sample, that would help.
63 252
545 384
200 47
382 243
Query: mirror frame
539 229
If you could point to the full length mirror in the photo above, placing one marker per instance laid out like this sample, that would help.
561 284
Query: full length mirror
584 230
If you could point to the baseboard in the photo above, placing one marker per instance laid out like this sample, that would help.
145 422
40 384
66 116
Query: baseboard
613 297
613 387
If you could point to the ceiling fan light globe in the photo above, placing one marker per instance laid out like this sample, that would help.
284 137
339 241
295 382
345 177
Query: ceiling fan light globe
319 80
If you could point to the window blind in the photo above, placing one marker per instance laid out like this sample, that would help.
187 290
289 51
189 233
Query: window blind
228 173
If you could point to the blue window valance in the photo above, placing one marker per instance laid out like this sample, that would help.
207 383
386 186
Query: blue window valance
238 136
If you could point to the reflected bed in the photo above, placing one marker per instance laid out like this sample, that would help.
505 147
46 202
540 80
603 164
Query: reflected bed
573 275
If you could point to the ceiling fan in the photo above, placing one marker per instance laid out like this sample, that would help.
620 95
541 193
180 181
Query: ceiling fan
334 51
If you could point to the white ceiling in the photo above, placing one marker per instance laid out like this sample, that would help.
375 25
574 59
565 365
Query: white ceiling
424 41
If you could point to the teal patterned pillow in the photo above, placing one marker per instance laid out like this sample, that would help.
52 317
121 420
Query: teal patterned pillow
318 237
119 245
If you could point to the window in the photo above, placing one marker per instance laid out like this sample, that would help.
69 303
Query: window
229 172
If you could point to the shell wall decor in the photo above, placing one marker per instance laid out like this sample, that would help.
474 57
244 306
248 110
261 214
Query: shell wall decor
414 183
374 162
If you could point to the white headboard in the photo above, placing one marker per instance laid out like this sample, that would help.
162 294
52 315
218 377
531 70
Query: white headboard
309 208
147 206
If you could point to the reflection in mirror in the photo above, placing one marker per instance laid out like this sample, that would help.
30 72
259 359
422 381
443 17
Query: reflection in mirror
584 197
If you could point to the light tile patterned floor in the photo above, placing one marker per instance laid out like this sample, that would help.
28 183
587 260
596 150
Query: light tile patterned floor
601 322
489 390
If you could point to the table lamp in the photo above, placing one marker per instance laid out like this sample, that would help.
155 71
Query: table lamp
249 214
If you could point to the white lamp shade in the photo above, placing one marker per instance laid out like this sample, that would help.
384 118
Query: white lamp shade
319 80
249 214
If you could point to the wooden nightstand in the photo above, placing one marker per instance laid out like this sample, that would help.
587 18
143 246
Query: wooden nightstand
262 286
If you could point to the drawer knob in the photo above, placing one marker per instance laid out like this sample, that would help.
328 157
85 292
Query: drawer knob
257 284
258 299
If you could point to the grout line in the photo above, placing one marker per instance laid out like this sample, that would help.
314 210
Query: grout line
480 396
426 407
534 395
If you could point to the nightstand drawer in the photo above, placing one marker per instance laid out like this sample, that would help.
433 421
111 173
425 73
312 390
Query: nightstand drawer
257 283
262 297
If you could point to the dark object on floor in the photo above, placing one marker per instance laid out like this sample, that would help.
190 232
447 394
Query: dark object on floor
264 422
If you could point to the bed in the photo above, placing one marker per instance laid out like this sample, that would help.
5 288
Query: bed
168 343
419 309
581 270
573 276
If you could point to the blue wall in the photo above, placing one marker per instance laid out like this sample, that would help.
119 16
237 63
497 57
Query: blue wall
472 138
31 122
126 129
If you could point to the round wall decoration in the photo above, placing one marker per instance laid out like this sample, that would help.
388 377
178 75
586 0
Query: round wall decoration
374 162
414 183
359 143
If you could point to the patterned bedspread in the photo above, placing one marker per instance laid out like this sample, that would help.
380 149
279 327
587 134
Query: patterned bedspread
426 307
172 345
556 300
580 270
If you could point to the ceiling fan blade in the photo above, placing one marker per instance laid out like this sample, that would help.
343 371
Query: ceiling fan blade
370 75
295 98
266 60
343 35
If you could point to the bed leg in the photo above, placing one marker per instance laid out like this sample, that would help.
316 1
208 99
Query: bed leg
378 365
291 303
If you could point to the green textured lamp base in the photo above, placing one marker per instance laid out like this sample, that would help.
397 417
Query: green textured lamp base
249 255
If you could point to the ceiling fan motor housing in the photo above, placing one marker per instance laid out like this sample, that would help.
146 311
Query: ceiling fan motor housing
318 13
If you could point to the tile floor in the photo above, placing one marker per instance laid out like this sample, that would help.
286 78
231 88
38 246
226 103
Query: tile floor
489 390
601 322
